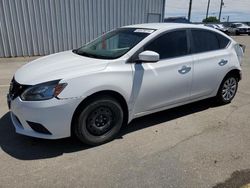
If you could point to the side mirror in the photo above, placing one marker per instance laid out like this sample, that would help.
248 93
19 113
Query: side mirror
148 57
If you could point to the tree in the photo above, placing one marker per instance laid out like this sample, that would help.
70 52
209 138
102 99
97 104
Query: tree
210 19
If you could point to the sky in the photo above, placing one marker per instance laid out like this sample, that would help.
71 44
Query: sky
237 10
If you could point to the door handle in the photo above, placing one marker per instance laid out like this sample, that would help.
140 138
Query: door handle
223 62
184 69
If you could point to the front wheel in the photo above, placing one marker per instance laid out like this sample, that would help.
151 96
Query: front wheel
100 121
227 90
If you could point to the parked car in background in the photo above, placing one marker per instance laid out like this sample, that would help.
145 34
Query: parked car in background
176 20
239 28
219 27
222 28
90 92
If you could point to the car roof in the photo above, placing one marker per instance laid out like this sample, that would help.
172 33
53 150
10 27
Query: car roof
165 26
169 26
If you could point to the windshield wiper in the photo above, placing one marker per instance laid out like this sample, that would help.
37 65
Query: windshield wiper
76 51
90 55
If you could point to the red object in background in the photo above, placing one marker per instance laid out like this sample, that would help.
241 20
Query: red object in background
103 42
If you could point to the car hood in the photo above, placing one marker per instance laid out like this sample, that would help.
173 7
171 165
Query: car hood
61 65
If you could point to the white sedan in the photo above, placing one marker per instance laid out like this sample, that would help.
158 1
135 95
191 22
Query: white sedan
129 72
239 28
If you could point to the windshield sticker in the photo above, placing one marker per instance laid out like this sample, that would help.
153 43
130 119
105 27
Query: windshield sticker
144 31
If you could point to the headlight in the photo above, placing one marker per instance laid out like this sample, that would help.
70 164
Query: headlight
43 91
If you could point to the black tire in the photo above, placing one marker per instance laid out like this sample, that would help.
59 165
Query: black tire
222 92
237 33
99 121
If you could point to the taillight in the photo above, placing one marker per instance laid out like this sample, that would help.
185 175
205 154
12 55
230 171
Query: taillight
240 49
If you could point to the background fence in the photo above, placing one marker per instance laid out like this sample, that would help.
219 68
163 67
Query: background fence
40 27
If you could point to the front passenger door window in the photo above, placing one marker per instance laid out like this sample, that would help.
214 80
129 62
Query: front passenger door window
170 45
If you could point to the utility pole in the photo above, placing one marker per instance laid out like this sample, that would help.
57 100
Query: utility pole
208 4
190 9
221 4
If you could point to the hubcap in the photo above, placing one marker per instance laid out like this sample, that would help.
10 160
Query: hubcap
229 89
100 121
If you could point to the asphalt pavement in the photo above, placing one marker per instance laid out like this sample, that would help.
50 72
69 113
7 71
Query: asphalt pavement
196 145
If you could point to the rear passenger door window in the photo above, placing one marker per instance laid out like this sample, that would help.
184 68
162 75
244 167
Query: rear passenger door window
204 41
170 45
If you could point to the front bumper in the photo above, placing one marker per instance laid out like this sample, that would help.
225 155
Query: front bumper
243 31
55 115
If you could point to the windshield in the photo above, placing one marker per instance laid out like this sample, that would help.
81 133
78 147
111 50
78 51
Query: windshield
113 44
240 25
220 26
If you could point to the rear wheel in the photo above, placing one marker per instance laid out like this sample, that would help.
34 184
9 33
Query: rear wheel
100 121
228 89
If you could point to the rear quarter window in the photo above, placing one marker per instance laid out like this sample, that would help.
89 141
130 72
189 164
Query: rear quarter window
223 41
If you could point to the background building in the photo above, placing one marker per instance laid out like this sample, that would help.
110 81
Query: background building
40 27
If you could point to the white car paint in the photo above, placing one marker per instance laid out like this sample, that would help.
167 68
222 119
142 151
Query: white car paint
146 87
239 28
60 65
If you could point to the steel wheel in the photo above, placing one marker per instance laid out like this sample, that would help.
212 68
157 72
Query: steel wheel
99 121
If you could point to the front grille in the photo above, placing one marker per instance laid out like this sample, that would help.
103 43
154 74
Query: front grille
16 89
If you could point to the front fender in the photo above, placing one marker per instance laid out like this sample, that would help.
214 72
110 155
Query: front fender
116 78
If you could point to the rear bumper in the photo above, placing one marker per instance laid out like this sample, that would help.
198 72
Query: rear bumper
52 115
